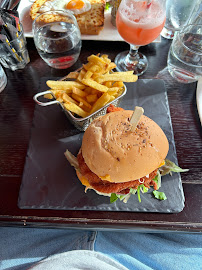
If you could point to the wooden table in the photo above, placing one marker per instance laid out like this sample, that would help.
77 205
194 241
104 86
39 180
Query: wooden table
16 114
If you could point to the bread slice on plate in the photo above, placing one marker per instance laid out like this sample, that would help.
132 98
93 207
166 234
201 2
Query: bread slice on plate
90 22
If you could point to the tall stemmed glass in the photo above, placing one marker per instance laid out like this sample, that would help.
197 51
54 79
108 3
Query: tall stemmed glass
139 23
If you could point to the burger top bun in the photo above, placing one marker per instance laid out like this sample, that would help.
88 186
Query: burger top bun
116 154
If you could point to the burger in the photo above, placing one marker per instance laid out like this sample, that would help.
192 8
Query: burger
116 160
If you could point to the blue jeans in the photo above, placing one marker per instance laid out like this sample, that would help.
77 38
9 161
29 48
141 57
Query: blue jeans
22 247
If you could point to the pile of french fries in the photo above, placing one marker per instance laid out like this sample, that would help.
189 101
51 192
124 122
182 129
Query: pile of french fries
93 86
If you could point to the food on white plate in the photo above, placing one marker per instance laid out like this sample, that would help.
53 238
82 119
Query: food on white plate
89 13
118 162
76 6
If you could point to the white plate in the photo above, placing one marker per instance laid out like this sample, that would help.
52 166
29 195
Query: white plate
109 33
199 98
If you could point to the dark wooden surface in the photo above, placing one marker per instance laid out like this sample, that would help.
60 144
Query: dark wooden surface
16 113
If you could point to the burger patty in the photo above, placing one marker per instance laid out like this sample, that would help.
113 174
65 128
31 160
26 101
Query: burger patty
107 187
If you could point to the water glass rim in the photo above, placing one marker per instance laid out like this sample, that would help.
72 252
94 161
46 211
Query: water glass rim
189 25
65 12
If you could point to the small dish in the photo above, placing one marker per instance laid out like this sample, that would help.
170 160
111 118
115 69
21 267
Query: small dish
78 122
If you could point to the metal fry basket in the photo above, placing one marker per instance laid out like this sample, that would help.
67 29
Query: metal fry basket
78 122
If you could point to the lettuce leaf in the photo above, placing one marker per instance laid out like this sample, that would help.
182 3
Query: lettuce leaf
107 6
157 179
159 195
167 168
170 167
143 189
138 194
114 197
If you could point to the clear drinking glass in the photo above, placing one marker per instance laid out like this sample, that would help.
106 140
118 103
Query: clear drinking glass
14 55
185 54
139 23
3 79
178 13
57 38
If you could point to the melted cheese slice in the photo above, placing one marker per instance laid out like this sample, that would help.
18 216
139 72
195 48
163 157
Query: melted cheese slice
106 177
162 163
83 180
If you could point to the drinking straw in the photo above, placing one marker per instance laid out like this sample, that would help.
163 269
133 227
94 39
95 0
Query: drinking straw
19 58
149 3
10 48
4 3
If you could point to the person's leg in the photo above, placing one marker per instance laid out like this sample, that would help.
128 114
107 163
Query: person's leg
152 251
22 247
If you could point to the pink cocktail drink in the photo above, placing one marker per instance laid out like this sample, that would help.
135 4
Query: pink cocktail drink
138 22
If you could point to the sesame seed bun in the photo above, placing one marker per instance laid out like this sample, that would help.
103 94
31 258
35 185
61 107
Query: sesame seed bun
116 154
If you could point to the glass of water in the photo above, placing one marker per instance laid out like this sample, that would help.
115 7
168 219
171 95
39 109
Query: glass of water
178 13
57 38
185 54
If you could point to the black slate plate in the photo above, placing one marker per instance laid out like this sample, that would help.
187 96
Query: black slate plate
49 182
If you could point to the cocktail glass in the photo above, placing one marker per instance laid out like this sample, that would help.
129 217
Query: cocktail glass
139 23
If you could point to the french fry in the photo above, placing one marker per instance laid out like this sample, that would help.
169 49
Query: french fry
113 92
88 90
117 77
81 75
95 85
91 98
97 61
80 99
111 66
73 75
64 85
58 93
60 99
105 58
111 98
130 72
102 101
91 67
88 74
118 84
67 98
81 105
95 69
48 96
75 109
108 84
114 89
79 92
94 91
